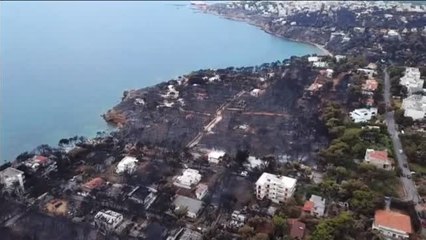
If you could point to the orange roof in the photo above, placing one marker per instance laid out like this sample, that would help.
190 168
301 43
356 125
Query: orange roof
309 205
378 155
395 220
94 183
370 85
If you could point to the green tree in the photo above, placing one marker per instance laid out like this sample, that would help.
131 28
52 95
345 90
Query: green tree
363 201
339 227
280 224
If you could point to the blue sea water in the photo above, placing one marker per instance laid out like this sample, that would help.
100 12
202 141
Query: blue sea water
63 64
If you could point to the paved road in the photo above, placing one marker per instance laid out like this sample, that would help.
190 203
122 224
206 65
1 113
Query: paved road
408 184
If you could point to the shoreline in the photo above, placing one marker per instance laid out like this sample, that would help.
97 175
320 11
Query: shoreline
322 48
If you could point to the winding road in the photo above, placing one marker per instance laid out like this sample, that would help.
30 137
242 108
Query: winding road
411 193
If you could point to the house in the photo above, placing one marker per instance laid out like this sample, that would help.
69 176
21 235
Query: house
329 72
320 64
127 165
201 191
95 183
363 114
369 72
186 234
254 162
393 34
372 66
414 106
108 220
340 58
411 80
12 179
215 156
193 206
315 206
188 178
378 158
276 188
256 92
392 225
237 219
43 162
314 59
143 195
297 229
369 86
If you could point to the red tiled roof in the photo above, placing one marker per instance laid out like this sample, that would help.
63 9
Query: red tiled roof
379 155
309 205
395 220
94 183
41 159
297 229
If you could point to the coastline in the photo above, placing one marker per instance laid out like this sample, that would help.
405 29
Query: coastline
322 48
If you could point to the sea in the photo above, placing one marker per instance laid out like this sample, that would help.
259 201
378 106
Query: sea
65 63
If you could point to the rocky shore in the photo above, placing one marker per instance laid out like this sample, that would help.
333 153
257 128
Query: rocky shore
263 25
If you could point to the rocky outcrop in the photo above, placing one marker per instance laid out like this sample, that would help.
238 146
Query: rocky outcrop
115 118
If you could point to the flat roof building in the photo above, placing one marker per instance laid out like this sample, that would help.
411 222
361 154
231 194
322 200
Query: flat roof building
276 188
414 106
108 220
189 178
193 206
363 114
127 165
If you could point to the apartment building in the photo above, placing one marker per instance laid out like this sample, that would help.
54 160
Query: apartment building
276 188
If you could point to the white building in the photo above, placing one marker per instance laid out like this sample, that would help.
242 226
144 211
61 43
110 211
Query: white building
276 188
237 219
393 33
201 191
320 64
255 92
411 80
188 178
254 162
414 106
392 225
369 72
127 164
193 206
329 72
215 156
340 58
108 220
314 59
315 206
363 114
11 177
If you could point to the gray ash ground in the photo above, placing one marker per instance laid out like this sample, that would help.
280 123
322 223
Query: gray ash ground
274 119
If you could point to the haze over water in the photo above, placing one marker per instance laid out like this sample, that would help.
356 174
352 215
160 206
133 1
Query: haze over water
63 64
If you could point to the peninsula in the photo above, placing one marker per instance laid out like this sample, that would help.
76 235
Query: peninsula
312 147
